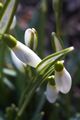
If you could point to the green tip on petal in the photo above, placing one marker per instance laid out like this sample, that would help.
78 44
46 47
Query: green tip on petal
10 40
51 80
59 66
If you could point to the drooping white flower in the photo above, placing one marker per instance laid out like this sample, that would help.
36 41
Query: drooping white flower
26 55
51 93
18 63
30 38
63 80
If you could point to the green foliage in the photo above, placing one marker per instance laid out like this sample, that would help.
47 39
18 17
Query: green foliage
22 94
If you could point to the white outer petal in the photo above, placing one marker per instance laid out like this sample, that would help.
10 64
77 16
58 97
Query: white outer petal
18 63
27 36
51 93
13 23
63 81
26 55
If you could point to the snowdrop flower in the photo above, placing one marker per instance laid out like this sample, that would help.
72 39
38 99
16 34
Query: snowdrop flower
62 78
24 53
30 38
51 90
62 82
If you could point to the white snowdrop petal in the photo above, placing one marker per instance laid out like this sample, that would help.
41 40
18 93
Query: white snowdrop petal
26 55
27 36
18 63
51 93
13 23
30 38
63 81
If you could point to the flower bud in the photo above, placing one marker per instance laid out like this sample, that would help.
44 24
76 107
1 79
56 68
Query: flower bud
30 38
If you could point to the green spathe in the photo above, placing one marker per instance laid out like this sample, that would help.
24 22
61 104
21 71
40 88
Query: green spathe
10 40
59 66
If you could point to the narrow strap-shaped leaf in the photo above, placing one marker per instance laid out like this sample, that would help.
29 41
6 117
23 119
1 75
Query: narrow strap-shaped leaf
53 57
7 14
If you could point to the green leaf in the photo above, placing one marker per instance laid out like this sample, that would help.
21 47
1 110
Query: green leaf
7 15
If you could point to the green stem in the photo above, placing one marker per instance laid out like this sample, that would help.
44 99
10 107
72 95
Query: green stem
57 6
29 94
41 27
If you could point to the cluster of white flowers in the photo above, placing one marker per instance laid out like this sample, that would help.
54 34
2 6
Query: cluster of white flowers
22 55
62 77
